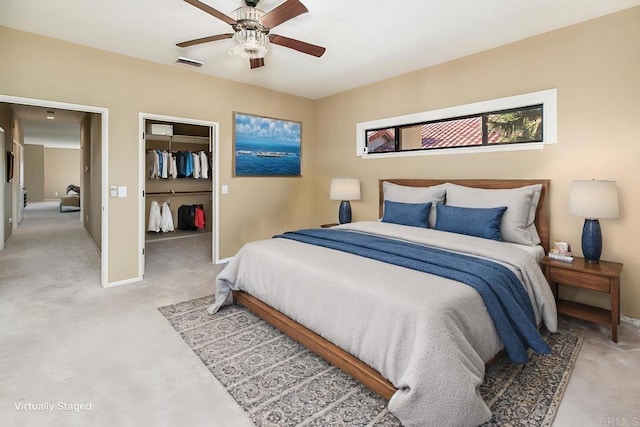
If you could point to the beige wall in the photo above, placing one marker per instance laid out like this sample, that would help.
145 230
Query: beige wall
7 121
34 172
43 68
61 168
595 67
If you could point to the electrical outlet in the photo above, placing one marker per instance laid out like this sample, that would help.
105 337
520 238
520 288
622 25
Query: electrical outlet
10 220
56 194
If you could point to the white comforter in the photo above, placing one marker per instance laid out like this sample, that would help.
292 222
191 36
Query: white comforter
428 335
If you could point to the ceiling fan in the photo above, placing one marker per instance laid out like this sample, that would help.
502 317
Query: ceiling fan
252 28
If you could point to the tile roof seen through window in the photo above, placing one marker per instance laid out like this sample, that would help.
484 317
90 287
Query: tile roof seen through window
456 133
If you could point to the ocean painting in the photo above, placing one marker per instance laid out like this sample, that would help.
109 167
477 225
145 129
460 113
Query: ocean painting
266 147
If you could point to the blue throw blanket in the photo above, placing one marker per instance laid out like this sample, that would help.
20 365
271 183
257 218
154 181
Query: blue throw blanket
503 294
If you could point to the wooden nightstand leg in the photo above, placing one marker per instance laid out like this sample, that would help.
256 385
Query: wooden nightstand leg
615 308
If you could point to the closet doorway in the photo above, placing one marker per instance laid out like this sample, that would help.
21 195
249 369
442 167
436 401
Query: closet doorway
179 175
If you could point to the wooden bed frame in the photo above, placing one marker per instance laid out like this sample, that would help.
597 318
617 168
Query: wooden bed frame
344 360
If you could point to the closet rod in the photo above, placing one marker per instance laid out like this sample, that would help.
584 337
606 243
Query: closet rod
172 192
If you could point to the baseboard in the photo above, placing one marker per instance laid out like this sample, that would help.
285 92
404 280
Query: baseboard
91 239
4 245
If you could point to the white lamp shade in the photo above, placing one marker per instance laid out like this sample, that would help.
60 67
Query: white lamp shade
594 199
345 189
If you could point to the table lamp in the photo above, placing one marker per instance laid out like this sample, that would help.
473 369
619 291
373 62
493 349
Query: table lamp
592 200
345 189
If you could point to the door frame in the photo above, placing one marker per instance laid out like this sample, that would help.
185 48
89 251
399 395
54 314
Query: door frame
215 176
3 175
104 115
18 185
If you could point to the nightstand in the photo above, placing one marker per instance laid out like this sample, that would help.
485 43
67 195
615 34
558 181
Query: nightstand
333 224
603 277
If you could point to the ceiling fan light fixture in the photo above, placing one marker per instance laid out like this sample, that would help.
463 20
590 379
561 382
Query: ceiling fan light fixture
249 17
250 44
252 30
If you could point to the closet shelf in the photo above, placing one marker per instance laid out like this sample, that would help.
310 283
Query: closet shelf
177 193
188 139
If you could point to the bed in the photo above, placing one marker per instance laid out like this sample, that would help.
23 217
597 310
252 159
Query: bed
71 201
418 339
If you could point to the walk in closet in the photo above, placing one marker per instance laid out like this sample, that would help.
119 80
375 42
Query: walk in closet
178 180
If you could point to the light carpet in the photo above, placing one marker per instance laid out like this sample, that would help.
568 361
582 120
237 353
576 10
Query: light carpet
278 382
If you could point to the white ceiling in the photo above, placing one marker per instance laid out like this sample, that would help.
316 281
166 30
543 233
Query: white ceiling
61 132
366 41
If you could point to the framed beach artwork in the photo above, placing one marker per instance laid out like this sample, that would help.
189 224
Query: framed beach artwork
264 146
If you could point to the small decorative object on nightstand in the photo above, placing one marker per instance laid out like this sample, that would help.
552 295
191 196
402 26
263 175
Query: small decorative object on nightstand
561 252
601 277
344 189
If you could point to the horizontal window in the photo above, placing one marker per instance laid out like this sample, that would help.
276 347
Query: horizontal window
511 123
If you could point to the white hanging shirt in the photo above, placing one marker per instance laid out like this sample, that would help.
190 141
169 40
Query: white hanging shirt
155 217
165 164
204 165
173 166
196 165
166 223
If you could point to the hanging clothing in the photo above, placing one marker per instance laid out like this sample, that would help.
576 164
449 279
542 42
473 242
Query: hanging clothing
199 220
188 170
165 164
196 165
185 164
173 168
166 223
155 218
160 163
186 217
152 163
204 165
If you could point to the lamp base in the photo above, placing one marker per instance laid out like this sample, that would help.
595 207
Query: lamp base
591 241
344 214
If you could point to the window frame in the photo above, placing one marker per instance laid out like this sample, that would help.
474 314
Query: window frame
546 98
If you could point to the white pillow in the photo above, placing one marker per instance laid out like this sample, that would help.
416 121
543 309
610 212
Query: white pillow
537 192
407 194
71 193
517 222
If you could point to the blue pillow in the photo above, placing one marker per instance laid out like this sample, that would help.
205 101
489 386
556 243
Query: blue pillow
412 214
479 222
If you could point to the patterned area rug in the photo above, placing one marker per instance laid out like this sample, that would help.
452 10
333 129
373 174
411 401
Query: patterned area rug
278 382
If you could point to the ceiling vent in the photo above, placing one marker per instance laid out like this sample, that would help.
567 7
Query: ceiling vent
189 61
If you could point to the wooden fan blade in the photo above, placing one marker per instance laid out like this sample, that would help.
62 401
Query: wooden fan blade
287 10
211 11
205 40
300 46
256 63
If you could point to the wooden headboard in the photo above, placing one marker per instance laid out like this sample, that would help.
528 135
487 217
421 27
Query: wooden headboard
542 220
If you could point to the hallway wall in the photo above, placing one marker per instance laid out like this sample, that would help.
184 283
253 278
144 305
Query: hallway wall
34 172
7 122
61 168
